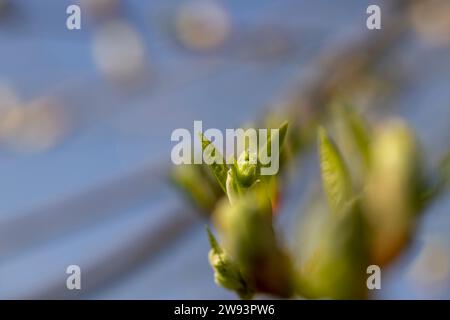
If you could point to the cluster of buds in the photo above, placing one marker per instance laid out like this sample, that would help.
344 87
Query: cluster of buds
250 258
367 216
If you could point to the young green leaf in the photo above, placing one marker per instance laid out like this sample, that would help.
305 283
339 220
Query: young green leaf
213 242
392 190
215 160
335 175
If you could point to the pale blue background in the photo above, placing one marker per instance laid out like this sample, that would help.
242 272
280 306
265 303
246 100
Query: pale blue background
99 199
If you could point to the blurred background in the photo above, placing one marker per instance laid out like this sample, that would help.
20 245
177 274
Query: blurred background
86 117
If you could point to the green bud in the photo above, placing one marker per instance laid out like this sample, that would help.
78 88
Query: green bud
247 168
353 138
392 191
247 231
